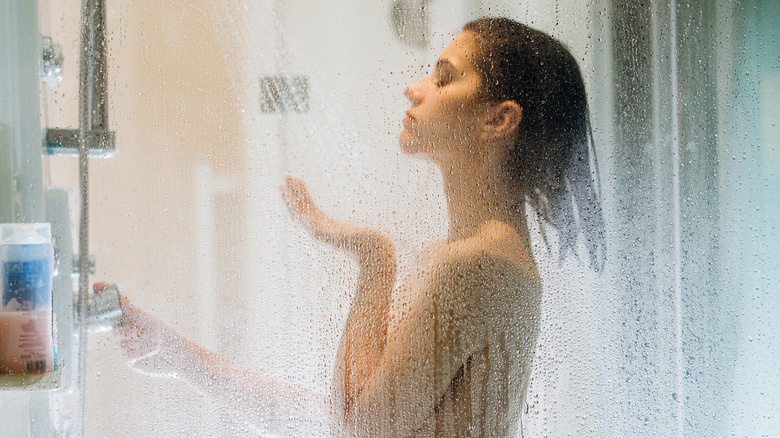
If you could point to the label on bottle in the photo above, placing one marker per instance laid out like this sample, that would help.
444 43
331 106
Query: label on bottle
25 342
27 285
26 318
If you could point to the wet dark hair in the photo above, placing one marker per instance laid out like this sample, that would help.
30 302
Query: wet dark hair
550 163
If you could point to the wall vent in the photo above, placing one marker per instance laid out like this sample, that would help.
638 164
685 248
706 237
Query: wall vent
282 94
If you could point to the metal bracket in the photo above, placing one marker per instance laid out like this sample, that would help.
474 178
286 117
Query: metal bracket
62 141
77 261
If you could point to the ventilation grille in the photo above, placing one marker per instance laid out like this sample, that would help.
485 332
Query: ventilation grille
281 94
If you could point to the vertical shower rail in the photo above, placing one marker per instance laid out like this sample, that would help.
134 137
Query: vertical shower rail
93 118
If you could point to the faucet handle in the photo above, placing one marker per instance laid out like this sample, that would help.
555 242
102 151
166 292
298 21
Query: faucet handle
104 309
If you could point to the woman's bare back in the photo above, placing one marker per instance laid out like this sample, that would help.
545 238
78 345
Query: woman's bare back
473 305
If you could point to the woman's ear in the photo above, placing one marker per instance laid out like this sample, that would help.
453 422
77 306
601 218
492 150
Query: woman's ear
503 120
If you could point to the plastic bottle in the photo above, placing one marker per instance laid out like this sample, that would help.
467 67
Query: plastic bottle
26 264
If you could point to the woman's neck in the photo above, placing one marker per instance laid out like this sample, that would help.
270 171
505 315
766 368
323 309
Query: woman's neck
477 193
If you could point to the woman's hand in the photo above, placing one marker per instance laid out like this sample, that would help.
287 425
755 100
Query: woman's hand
148 346
152 348
303 208
342 235
366 243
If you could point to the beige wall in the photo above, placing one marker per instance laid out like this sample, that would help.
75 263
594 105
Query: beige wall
180 137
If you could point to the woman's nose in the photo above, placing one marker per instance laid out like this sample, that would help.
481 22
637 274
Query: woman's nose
412 92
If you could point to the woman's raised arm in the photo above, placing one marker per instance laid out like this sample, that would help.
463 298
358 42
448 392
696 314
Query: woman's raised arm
365 335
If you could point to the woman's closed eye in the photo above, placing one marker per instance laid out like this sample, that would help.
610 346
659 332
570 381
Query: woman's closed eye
444 73
443 78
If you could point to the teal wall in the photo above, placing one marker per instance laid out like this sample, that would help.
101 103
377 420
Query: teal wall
750 239
20 120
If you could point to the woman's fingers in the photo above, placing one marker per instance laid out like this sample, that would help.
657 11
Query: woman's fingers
301 203
298 196
303 208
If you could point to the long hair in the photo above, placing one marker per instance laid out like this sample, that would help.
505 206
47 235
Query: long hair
550 163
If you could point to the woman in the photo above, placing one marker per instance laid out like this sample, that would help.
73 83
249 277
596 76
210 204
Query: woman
504 116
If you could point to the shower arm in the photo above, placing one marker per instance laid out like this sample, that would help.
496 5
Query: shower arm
94 59
93 92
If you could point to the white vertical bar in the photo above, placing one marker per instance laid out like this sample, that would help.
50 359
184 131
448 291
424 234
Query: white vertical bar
675 144
6 171
208 185
28 129
206 252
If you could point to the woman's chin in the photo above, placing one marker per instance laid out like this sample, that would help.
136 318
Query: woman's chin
406 143
409 145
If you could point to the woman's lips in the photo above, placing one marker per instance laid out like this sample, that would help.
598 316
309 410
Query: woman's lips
408 119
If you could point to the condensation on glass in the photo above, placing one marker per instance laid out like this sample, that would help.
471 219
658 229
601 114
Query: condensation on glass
212 103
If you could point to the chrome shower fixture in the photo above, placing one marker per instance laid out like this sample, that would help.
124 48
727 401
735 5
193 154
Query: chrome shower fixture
93 92
410 21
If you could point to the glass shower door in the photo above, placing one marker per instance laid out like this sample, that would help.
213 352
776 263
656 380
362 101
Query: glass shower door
213 102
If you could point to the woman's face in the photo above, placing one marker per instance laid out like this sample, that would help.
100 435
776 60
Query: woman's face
446 112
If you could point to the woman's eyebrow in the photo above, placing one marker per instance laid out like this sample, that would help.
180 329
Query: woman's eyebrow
442 63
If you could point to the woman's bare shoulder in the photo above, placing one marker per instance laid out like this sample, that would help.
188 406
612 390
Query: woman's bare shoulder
495 241
488 273
495 251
